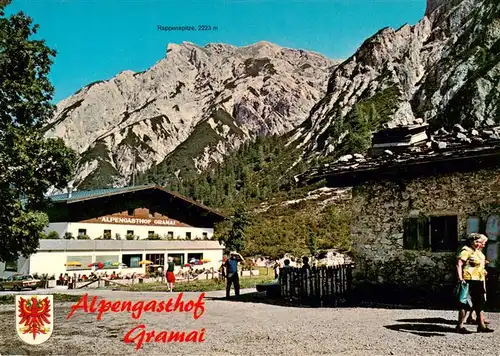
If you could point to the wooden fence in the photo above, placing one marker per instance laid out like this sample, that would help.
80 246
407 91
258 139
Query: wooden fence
319 286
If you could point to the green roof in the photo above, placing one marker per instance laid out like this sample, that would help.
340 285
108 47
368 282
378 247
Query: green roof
88 194
77 196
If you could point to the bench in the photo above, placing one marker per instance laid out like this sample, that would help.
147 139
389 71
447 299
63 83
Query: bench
272 289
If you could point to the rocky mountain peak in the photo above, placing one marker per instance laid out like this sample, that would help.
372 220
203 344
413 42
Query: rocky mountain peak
434 4
189 109
444 70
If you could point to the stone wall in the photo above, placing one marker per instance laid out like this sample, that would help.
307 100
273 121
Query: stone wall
377 224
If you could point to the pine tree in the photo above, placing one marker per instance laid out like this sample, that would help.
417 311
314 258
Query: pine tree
312 242
236 239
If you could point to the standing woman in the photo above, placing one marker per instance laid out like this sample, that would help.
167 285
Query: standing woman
276 269
472 320
170 273
471 270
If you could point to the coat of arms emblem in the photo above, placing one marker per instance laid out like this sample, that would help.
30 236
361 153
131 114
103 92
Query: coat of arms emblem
34 318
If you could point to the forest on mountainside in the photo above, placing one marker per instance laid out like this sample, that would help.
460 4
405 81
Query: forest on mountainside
262 172
259 171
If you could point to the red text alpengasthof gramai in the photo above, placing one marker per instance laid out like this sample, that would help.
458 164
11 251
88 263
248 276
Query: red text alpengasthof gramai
136 308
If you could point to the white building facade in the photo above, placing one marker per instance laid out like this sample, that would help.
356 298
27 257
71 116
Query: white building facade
146 229
119 228
53 255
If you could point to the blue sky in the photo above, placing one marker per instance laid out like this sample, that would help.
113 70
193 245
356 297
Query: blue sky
97 39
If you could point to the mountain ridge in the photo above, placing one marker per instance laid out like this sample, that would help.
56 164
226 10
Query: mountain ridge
414 73
135 120
444 70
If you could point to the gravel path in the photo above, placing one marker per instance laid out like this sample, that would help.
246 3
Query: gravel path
247 328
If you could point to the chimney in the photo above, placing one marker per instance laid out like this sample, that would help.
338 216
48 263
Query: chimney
70 189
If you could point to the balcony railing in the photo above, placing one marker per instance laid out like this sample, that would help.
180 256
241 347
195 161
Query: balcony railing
119 245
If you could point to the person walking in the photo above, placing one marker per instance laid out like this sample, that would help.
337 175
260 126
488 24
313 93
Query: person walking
170 274
305 264
232 273
472 319
222 270
160 273
471 270
276 269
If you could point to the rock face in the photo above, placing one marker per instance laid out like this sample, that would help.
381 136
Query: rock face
189 109
444 70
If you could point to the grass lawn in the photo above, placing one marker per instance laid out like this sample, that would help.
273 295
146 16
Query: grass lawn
265 271
196 286
58 298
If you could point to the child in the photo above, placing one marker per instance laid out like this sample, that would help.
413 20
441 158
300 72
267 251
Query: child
170 274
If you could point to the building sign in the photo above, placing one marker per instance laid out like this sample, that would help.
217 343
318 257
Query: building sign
135 221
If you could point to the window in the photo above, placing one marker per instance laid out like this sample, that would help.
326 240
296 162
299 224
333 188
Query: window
416 233
205 236
188 236
132 261
473 225
194 256
78 263
170 234
109 261
156 258
178 258
130 211
82 232
493 227
130 232
11 266
444 233
439 233
151 234
107 235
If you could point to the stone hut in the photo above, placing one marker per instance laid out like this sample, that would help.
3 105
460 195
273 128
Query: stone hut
411 210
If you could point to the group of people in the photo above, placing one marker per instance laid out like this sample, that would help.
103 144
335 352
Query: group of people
66 279
286 264
63 280
471 271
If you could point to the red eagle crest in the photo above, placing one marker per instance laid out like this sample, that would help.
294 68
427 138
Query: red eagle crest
34 315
